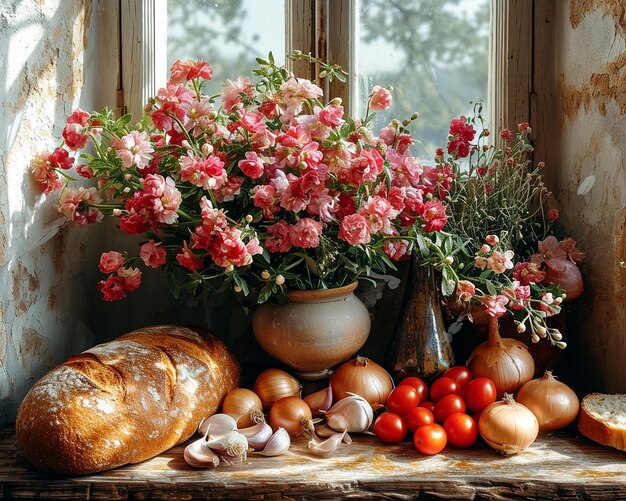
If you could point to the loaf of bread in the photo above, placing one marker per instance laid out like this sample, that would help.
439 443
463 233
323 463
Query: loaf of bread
602 418
125 401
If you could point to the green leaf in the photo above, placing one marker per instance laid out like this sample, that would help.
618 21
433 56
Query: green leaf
491 288
448 285
421 243
266 292
241 283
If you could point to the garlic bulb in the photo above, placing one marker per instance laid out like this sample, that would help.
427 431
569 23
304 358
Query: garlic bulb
257 435
219 424
327 447
352 414
278 443
198 455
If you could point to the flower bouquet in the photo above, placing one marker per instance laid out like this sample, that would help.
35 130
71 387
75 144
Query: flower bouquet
260 189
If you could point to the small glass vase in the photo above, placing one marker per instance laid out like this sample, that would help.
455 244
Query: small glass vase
420 346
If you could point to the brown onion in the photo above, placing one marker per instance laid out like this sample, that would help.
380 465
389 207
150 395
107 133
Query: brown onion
508 426
362 377
273 384
554 404
566 274
292 414
507 362
244 406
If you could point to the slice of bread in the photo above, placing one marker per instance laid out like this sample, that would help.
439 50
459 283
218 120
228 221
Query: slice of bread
602 418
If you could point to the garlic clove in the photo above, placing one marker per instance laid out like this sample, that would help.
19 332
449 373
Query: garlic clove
278 443
220 424
328 446
353 414
257 435
320 401
198 455
325 431
232 443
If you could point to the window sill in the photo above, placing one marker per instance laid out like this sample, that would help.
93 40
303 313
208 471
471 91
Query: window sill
555 466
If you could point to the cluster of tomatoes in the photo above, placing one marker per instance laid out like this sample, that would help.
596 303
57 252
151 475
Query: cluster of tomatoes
447 413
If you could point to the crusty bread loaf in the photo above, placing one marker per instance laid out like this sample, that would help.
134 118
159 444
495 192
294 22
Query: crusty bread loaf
602 418
125 401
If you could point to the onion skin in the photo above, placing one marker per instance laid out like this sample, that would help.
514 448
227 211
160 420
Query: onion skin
554 404
273 384
244 406
291 413
507 362
360 376
508 426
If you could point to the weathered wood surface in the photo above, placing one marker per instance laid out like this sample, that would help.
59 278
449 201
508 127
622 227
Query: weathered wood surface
555 467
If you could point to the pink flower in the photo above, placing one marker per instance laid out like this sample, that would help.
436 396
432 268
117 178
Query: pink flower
355 230
60 159
461 135
381 99
207 173
366 167
396 249
434 216
550 248
574 254
153 255
295 91
506 134
78 117
252 165
110 262
183 71
84 171
499 262
233 91
112 288
279 239
527 273
465 290
379 214
306 233
131 278
75 136
518 295
44 174
332 115
134 149
495 306
388 135
492 239
164 197
187 259
76 205
229 190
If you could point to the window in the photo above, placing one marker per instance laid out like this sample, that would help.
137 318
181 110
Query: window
435 53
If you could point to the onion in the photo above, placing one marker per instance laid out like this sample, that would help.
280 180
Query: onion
554 404
361 376
507 362
508 426
566 274
291 413
273 384
244 406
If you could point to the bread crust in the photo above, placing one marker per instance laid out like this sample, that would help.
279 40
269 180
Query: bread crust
125 401
597 430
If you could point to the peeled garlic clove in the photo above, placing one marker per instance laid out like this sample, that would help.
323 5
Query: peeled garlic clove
220 424
257 435
328 446
325 431
278 443
320 401
231 444
353 414
198 455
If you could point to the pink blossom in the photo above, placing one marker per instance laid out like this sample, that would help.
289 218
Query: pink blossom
229 250
295 91
134 149
84 171
252 165
233 91
183 71
175 101
293 198
131 278
207 173
112 288
366 167
461 134
279 239
388 135
306 233
396 249
229 190
110 261
60 159
517 294
527 273
506 134
492 239
165 197
198 116
434 216
480 262
44 174
332 115
381 99
78 117
499 262
379 213
153 255
574 254
355 230
187 259
324 205
465 290
550 248
75 136
76 205
495 306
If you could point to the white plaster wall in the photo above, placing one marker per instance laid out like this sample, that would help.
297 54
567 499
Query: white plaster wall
591 123
54 55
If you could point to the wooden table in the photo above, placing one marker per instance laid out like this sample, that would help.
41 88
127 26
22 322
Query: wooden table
557 466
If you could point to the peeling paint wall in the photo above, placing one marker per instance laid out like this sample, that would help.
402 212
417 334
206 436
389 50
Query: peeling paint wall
54 55
591 123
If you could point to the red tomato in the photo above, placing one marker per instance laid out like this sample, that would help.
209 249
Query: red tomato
418 417
418 384
448 405
390 427
402 399
428 405
430 439
461 430
444 386
480 393
460 374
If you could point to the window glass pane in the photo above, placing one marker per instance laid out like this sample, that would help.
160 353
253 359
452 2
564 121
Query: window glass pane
435 55
228 34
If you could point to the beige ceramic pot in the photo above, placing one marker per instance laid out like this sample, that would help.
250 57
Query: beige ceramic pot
315 330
